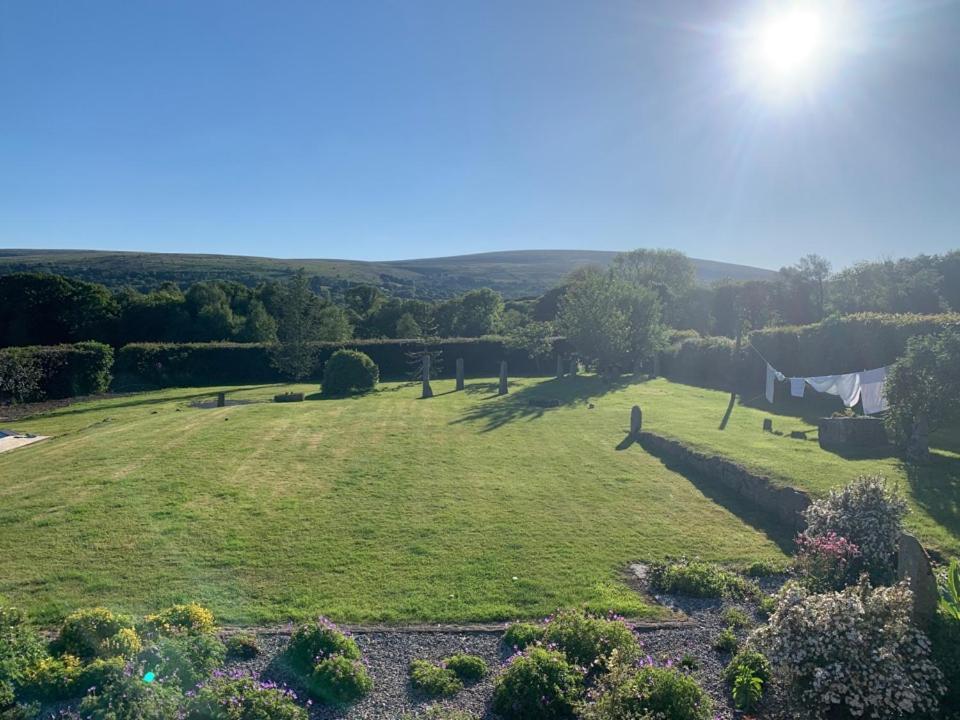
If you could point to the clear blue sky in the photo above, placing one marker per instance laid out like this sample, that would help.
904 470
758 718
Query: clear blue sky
408 128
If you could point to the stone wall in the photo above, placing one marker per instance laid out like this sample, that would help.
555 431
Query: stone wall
786 504
852 433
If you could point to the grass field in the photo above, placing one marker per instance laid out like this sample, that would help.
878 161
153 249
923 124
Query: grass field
464 507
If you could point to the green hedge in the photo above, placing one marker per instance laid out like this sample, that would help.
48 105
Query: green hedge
146 365
67 370
836 345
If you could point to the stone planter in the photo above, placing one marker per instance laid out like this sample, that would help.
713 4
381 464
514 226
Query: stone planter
852 433
288 397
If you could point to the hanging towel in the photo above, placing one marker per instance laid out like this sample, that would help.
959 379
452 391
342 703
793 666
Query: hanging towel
771 376
872 385
796 387
847 386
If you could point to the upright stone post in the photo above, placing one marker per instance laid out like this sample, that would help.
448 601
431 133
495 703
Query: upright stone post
574 365
503 378
221 399
656 364
636 421
559 365
459 373
427 390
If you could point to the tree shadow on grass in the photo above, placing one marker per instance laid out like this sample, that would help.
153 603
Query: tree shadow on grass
935 487
760 521
532 402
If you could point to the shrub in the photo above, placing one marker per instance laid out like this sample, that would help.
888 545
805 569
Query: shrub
317 641
520 635
55 371
747 690
20 646
763 568
19 711
191 618
827 562
866 513
339 679
855 649
349 371
725 641
538 684
242 698
736 618
98 674
945 651
243 646
630 693
467 667
130 698
435 712
753 661
92 633
434 680
184 659
698 579
51 678
588 640
766 606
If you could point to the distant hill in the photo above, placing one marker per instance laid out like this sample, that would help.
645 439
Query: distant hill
516 273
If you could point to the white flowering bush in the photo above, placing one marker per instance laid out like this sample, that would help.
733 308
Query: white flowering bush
866 513
854 650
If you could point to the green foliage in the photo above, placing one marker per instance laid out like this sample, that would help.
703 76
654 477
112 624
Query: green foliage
764 568
241 698
21 646
21 375
736 618
924 384
726 641
520 635
436 712
408 327
695 578
339 679
59 371
629 693
129 698
191 618
588 640
242 646
349 371
751 660
945 650
535 338
466 667
316 641
747 690
434 680
91 633
538 684
183 659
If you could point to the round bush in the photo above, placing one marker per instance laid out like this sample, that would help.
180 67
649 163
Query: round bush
588 640
243 646
754 661
185 659
339 680
189 618
85 633
132 699
318 641
520 635
466 667
538 684
349 371
650 692
434 680
242 698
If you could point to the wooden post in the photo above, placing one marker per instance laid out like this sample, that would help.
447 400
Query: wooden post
459 373
427 390
503 378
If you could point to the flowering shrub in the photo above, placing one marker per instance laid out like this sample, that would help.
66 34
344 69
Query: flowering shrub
186 660
699 579
588 640
92 633
317 641
130 698
827 562
855 649
466 667
628 692
538 684
520 635
869 515
338 679
237 697
434 680
190 618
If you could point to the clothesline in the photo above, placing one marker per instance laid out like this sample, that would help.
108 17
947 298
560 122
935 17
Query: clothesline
866 386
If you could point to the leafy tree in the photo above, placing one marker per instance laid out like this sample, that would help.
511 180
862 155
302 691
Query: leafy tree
669 273
535 337
364 299
923 389
479 313
258 325
407 327
816 269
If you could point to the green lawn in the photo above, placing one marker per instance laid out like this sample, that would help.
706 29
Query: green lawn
464 507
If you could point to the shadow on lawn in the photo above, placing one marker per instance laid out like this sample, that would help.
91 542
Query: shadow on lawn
530 402
936 488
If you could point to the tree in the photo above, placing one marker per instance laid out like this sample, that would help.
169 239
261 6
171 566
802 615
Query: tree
923 390
534 337
407 327
669 273
258 325
480 312
364 299
817 270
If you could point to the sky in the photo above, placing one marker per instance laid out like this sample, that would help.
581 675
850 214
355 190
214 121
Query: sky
418 128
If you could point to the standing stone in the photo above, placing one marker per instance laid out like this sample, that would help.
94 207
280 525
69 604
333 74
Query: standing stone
221 399
459 373
427 390
574 365
503 378
656 365
768 425
636 420
559 366
913 563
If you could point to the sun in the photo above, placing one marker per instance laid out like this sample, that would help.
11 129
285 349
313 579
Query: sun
786 49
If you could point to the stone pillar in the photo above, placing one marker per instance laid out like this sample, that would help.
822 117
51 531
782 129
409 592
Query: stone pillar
221 399
768 425
636 421
914 564
559 366
459 373
574 365
425 371
503 378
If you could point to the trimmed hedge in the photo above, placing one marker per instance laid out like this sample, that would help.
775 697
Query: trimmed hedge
152 365
67 370
836 345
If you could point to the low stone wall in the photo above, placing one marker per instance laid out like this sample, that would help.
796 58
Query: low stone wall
786 504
